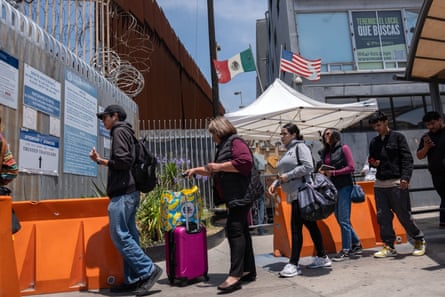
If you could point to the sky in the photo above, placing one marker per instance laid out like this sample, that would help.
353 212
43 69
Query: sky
235 30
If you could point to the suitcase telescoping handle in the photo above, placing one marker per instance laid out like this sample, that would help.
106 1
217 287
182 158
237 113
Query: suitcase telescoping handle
196 212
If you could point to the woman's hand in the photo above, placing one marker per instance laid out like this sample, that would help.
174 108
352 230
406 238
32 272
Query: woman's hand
196 171
283 178
325 172
328 173
214 167
273 186
188 172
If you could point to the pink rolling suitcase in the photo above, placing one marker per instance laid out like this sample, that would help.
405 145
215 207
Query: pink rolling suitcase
186 253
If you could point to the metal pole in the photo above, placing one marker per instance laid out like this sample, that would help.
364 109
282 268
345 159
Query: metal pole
436 102
212 49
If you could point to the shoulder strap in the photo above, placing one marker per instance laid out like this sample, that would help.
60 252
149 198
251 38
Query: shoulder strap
297 154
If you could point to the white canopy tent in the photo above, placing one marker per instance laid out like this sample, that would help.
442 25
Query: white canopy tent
280 104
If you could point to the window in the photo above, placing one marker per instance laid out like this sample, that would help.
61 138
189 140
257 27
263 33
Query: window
356 40
411 20
379 39
326 36
403 112
409 111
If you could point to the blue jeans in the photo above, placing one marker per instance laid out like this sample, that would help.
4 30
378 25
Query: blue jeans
125 236
260 214
343 215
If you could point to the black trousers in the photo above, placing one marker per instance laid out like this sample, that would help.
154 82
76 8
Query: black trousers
242 258
390 201
297 235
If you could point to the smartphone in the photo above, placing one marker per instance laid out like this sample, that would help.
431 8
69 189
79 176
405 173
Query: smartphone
325 167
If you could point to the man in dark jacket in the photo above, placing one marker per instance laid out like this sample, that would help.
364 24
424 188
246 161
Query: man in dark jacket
432 145
390 154
140 273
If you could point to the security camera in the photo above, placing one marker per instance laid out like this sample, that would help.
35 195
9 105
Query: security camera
298 80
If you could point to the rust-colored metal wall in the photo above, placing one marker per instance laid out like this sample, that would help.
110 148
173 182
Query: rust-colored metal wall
174 87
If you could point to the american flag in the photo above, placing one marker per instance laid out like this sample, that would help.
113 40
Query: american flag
293 63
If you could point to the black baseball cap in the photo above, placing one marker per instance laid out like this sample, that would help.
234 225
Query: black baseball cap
112 109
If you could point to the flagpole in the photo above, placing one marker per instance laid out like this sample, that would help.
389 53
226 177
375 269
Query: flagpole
212 49
256 68
279 68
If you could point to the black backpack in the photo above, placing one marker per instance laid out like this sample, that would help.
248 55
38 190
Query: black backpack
255 189
144 167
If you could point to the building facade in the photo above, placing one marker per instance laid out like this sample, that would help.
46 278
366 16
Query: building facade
364 47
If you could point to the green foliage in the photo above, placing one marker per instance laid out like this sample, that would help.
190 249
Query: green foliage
148 215
148 218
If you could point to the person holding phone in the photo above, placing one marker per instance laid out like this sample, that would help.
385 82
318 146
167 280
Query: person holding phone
390 154
338 164
432 146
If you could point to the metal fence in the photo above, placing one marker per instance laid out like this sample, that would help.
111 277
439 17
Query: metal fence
176 142
23 40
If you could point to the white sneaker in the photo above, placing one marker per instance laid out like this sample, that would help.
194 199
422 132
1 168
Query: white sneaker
290 270
320 262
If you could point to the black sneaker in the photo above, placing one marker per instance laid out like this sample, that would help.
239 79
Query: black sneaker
341 256
124 288
146 285
357 249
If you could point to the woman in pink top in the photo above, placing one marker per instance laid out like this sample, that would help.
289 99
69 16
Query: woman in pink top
339 156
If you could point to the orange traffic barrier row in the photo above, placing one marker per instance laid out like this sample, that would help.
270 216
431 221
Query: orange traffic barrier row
9 282
363 219
64 245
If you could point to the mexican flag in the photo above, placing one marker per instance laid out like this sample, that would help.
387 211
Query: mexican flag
227 69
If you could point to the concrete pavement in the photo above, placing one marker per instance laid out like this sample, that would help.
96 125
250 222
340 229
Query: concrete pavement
404 275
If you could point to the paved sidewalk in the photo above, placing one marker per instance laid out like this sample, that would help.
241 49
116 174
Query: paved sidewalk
404 275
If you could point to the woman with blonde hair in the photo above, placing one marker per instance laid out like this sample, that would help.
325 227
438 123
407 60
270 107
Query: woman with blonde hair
231 174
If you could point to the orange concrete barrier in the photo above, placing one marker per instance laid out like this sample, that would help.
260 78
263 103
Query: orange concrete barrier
282 231
9 281
363 219
368 187
64 245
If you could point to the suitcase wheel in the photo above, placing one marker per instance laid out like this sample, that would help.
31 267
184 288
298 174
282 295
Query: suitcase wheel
171 280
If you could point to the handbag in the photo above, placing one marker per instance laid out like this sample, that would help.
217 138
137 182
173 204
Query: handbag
255 189
317 200
357 193
180 208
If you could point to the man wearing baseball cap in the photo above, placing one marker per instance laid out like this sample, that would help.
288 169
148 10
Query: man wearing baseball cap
140 273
